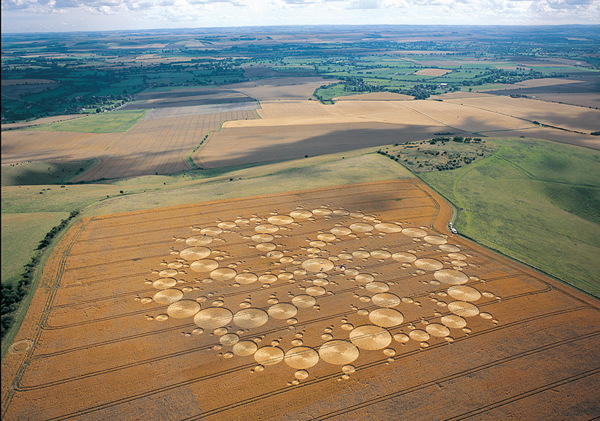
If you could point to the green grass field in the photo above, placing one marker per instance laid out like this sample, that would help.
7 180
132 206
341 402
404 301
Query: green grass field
110 122
21 234
36 173
536 201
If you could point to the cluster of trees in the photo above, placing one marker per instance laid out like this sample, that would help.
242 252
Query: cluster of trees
452 164
458 139
357 84
11 295
506 76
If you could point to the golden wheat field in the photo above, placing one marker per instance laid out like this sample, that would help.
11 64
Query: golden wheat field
374 96
157 145
589 100
432 72
564 116
281 88
346 302
20 146
292 129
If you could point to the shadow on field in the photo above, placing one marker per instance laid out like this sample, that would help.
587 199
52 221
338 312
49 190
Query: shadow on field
274 148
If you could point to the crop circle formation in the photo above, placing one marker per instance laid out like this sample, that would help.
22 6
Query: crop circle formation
311 271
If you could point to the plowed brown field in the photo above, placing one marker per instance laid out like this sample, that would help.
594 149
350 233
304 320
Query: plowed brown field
346 302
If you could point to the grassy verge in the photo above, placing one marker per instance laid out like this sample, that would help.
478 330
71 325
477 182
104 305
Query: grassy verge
113 122
17 297
330 170
21 234
535 201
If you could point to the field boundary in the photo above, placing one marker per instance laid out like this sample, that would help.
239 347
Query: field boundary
53 283
456 211
535 123
19 315
95 162
205 138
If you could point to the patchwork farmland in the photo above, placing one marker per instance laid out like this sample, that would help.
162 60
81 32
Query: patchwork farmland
345 223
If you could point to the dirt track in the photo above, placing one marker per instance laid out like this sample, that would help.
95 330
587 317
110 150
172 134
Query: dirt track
239 309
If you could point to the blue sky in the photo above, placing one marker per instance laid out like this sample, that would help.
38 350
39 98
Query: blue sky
92 15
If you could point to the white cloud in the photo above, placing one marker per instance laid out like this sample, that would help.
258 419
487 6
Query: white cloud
131 14
365 4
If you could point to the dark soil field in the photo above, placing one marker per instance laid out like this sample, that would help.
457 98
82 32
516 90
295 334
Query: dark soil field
185 103
15 91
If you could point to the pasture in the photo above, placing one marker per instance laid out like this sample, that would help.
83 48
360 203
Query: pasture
535 201
21 234
40 173
113 122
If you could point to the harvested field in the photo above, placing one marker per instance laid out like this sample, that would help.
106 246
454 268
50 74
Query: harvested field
468 119
243 145
375 96
39 121
50 146
302 305
158 146
590 100
558 115
174 112
583 85
551 81
292 129
461 94
432 72
281 88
